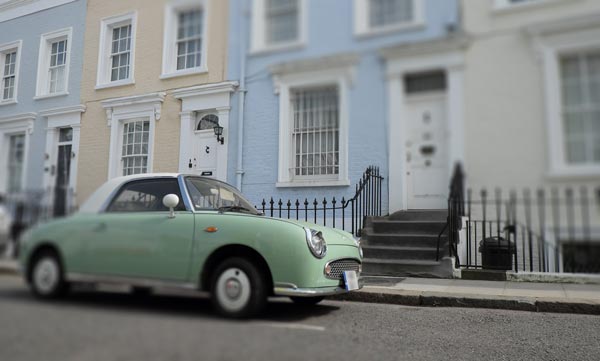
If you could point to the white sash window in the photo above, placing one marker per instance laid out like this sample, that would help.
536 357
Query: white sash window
580 77
315 132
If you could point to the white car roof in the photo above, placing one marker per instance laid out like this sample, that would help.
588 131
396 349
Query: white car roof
98 199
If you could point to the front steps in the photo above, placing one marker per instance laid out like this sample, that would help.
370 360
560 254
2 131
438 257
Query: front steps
405 245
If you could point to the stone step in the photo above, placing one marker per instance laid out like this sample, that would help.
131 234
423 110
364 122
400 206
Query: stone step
403 253
435 215
403 240
410 227
408 268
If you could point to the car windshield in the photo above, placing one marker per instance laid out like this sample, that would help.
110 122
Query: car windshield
209 194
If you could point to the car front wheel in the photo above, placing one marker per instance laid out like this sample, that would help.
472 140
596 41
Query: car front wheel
238 289
47 276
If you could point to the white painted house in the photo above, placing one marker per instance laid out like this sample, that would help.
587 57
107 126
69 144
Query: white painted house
531 120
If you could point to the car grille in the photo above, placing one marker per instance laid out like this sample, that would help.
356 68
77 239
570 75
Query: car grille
338 267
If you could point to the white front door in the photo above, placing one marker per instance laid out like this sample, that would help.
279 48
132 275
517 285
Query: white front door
203 157
427 176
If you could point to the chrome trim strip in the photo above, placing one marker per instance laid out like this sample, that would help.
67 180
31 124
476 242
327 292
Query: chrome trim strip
132 281
310 292
184 193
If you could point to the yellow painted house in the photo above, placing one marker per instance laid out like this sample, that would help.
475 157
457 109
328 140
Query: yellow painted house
154 88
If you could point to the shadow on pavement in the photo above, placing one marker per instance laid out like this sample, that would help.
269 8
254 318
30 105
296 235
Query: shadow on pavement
278 309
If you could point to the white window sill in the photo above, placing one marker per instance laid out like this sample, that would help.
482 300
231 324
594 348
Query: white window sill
296 45
54 95
8 102
313 183
510 8
178 73
115 84
373 32
574 172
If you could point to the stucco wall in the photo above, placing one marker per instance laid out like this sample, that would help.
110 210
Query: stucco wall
506 125
29 29
505 122
330 31
95 134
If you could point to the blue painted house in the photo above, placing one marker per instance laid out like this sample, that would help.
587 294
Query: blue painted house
328 88
41 46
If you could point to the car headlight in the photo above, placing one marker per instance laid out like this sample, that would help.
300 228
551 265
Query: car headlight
358 245
316 242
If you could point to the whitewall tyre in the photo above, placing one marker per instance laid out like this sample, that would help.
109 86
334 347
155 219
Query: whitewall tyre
238 288
47 276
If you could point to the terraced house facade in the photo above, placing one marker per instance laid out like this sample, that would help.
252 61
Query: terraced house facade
41 43
326 97
154 88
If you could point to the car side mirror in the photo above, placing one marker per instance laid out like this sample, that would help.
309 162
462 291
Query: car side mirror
171 201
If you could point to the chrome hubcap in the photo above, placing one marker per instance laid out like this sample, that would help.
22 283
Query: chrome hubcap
45 275
233 289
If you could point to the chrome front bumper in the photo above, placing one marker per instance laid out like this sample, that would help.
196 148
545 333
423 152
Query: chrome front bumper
293 291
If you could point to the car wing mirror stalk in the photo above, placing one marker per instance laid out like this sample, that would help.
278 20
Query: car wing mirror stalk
171 201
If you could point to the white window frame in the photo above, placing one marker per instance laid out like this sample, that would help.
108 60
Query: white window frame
120 111
13 125
4 49
104 50
502 6
362 27
169 60
258 37
284 83
42 87
551 48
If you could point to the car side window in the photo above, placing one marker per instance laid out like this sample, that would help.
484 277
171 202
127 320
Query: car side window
145 196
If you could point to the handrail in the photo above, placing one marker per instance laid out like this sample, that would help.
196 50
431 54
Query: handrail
456 210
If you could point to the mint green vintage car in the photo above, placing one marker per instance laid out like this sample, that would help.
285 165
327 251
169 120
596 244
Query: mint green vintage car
175 230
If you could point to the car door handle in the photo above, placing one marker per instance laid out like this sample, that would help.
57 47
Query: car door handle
100 227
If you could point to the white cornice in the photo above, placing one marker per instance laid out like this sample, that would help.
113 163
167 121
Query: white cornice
16 8
310 65
134 100
18 117
62 111
564 25
23 120
153 100
459 41
224 87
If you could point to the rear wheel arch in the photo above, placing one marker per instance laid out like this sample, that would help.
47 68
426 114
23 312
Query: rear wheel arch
231 251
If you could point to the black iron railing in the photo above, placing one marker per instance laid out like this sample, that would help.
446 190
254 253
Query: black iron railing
542 225
346 214
456 211
30 207
543 230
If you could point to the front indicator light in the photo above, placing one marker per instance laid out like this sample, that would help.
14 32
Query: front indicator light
327 270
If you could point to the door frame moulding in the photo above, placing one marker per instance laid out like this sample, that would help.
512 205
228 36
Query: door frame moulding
199 99
446 55
65 117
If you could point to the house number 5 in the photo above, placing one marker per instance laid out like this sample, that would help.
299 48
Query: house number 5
207 149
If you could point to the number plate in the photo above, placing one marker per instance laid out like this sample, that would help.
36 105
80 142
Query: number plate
351 280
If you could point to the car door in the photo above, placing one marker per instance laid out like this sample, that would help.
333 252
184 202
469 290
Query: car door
136 237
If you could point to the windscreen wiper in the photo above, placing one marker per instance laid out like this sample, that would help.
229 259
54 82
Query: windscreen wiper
234 209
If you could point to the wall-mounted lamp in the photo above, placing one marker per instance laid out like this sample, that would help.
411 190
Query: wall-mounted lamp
219 132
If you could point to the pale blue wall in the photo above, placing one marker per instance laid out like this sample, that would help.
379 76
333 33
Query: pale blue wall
29 29
331 31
